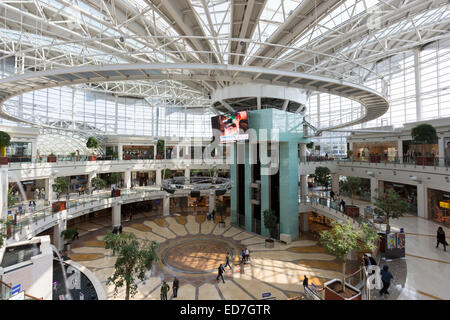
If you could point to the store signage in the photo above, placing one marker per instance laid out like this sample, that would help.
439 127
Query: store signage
15 289
445 205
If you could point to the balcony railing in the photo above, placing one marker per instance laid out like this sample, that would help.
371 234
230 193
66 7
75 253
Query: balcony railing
414 161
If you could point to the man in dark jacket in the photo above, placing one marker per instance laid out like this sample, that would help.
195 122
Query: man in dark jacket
441 238
386 277
220 272
164 289
175 286
369 261
305 282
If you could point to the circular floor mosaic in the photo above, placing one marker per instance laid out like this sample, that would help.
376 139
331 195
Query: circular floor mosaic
197 256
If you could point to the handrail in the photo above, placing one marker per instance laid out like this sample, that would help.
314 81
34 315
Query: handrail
26 294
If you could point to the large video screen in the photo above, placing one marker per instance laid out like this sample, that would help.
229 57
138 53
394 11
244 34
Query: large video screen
232 126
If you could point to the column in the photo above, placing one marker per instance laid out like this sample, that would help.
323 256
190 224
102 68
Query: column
49 194
248 190
418 85
58 240
373 189
303 185
302 147
264 200
166 205
116 215
33 150
441 151
120 151
400 150
335 183
304 221
91 176
289 189
422 201
154 151
187 173
212 201
158 173
4 193
233 191
127 180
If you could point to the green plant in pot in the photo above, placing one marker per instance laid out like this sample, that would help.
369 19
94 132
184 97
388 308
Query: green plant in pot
60 185
98 183
391 206
221 208
115 178
352 185
4 226
339 241
424 135
271 224
349 154
68 235
12 200
160 149
323 176
92 143
5 141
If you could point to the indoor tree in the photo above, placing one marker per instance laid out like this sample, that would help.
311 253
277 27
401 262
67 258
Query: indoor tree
68 235
4 226
390 205
5 141
60 185
424 134
134 258
160 148
352 185
92 143
343 238
12 200
115 178
323 176
310 145
98 183
271 223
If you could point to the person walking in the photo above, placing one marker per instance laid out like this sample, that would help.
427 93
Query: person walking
305 282
441 238
386 277
343 204
332 195
243 257
164 289
228 261
220 273
247 255
175 286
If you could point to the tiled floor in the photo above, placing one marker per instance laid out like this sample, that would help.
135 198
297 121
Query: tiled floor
192 247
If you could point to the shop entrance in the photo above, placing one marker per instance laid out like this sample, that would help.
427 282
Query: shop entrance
407 192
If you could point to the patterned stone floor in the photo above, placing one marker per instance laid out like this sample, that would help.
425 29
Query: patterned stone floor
191 247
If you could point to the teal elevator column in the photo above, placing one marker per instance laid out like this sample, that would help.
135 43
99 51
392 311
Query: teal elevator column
289 189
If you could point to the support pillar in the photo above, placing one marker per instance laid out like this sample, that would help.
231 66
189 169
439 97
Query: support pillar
158 177
4 193
50 195
116 215
127 179
373 189
33 150
303 185
91 176
418 84
58 240
265 201
400 150
304 221
187 174
302 147
422 201
166 205
120 151
441 151
335 183
212 201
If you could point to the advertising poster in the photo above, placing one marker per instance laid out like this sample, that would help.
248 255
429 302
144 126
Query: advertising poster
232 127
390 240
400 240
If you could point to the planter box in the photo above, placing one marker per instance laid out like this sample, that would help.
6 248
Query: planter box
51 158
92 158
375 158
270 243
58 206
425 161
332 294
3 160
116 193
352 211
127 158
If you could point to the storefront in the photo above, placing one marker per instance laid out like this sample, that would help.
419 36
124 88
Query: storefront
138 152
375 151
407 192
439 206
143 178
19 152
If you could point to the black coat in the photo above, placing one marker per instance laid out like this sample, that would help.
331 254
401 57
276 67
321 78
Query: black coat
441 237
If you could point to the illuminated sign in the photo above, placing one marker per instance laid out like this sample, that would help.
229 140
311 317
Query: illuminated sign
445 205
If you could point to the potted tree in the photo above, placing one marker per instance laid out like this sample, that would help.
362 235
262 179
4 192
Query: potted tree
92 143
340 241
349 154
322 176
424 135
98 183
68 236
5 230
5 141
221 209
72 156
115 178
60 186
352 185
271 224
391 206
160 149
310 146
51 157
134 259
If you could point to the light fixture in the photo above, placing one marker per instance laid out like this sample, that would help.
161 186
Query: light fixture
415 178
370 173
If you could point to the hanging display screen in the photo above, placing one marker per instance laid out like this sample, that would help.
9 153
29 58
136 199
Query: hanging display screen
232 126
